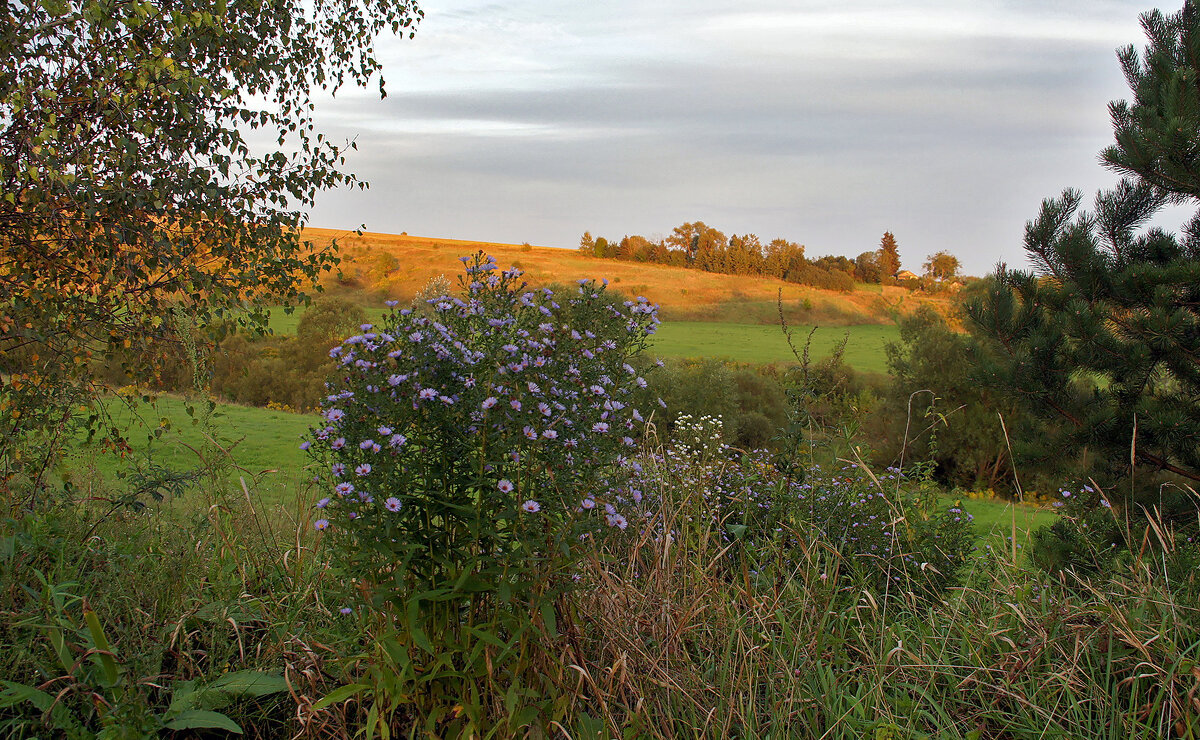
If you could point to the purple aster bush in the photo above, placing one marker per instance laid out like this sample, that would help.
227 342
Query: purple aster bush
442 425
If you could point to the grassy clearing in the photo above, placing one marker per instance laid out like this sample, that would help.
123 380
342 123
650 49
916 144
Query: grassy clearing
260 445
740 342
764 344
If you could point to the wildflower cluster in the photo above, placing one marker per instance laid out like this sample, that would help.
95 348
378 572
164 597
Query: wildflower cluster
893 532
465 442
1094 533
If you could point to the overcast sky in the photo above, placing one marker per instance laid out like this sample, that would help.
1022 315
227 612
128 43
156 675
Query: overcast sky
827 123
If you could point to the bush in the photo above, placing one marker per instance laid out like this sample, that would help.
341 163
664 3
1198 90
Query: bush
892 532
464 455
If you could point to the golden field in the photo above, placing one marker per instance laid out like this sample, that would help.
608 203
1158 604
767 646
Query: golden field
397 266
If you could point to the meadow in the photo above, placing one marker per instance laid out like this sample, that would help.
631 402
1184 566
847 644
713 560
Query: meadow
714 593
737 342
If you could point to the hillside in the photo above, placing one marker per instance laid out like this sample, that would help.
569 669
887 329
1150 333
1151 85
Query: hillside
397 266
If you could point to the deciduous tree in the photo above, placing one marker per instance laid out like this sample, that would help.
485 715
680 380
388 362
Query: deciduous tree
156 159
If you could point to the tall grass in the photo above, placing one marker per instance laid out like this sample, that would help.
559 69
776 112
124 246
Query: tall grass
666 637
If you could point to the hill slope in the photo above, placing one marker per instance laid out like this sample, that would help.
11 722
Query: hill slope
397 266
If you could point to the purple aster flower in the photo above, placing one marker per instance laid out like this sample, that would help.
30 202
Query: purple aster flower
392 504
321 524
530 433
323 502
334 415
366 444
305 445
384 431
588 504
515 404
531 507
427 393
397 441
505 486
338 469
550 434
344 489
489 402
600 427
338 443
364 469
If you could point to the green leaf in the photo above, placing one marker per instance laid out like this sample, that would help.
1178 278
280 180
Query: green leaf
198 719
16 693
340 694
550 619
226 690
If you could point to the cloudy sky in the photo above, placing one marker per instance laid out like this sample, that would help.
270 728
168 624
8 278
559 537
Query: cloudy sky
827 123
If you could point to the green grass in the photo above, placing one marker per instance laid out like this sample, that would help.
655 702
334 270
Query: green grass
995 517
762 344
287 323
258 444
264 446
751 343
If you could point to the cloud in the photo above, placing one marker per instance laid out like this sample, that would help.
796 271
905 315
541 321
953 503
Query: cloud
533 121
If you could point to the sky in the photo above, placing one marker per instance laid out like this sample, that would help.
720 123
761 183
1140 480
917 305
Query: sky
946 122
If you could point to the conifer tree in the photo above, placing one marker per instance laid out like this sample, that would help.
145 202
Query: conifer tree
1102 338
889 255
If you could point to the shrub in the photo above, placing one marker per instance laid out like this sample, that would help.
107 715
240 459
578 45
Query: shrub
464 454
891 531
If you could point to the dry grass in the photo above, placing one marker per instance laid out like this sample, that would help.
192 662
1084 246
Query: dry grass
397 266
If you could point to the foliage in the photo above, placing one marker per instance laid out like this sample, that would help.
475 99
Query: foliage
751 403
134 204
941 266
888 255
867 268
934 410
893 534
462 455
286 371
1102 339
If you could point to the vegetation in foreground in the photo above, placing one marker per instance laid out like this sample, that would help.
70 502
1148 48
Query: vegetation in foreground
505 543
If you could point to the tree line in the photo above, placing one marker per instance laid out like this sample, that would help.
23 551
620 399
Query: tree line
699 246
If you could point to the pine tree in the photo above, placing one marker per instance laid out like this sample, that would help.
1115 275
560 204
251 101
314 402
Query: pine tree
889 255
1102 339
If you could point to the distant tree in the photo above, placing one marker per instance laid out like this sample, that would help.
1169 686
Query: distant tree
587 244
330 320
889 255
780 255
601 248
745 255
1105 333
941 266
832 263
867 268
699 242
